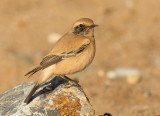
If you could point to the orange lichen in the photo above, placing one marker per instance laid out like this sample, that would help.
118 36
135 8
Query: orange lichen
67 106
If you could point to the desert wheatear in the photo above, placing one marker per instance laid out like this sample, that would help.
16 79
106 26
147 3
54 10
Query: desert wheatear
72 53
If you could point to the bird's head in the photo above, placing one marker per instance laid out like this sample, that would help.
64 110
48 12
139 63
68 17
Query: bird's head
84 27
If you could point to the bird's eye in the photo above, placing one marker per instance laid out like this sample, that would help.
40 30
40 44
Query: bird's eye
81 25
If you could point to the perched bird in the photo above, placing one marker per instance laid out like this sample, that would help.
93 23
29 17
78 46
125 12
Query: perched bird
72 53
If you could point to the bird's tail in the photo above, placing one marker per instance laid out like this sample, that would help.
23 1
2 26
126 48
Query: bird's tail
30 73
27 100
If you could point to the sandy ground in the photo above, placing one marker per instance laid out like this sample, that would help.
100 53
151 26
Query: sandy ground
128 36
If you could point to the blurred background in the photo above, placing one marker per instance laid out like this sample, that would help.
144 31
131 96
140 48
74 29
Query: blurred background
124 77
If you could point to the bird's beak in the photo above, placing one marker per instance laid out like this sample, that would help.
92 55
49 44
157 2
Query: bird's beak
94 25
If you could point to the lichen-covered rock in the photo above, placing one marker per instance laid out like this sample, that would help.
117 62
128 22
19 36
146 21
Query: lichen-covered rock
57 97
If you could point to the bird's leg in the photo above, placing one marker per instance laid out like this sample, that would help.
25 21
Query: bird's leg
70 80
74 83
47 89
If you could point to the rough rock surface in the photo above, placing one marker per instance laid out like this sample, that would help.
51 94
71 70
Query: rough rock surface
57 97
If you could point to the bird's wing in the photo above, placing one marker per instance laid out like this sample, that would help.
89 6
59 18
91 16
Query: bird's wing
53 59
49 60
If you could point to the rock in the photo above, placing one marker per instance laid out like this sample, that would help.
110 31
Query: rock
123 72
101 73
56 97
132 75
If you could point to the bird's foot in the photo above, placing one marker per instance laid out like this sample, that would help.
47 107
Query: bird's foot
47 89
68 79
71 82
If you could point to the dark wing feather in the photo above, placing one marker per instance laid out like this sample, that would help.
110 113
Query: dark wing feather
50 60
30 73
46 62
82 48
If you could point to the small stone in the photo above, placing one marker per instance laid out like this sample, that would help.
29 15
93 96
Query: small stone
101 73
133 79
54 37
123 72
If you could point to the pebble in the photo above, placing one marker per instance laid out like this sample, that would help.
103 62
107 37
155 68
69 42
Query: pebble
133 79
101 73
53 38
